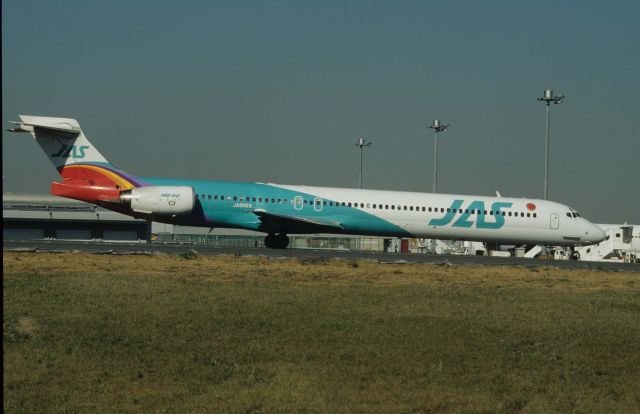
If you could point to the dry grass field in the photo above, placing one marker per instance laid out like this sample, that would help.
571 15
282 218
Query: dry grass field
104 333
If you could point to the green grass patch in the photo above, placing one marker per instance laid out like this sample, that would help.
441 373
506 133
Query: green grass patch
87 333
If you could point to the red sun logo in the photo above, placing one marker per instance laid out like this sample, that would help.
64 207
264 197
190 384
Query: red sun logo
531 206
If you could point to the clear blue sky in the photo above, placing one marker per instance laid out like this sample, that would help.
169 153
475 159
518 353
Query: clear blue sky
278 91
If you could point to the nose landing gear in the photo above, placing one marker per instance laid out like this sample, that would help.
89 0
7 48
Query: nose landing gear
276 241
574 255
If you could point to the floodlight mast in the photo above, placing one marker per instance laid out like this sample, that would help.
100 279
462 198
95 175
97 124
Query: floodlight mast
548 98
362 144
437 127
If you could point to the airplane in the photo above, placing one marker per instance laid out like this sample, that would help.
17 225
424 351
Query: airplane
280 210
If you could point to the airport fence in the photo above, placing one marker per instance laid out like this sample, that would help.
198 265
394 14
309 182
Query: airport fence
299 242
209 240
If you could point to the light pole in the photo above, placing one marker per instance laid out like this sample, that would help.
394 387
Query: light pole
361 143
437 127
547 98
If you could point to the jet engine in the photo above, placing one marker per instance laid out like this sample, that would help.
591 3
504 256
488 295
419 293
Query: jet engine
171 200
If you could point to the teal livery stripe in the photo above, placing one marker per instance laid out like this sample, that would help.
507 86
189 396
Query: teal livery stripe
230 204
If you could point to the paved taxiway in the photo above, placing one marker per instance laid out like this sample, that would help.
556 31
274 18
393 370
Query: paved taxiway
141 248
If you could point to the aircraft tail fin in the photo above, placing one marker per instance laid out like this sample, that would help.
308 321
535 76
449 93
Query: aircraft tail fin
61 139
79 162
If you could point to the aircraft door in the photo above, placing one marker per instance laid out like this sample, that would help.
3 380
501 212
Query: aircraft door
297 202
555 221
627 234
317 204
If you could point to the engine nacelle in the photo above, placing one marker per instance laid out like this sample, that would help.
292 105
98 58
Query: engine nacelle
171 200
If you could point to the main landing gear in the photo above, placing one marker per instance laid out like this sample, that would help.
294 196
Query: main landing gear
276 241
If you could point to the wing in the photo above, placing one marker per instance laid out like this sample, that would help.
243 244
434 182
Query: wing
281 223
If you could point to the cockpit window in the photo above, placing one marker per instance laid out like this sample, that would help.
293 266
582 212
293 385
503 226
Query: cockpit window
573 213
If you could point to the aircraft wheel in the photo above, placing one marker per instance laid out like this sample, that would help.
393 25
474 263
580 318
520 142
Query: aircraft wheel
270 241
282 241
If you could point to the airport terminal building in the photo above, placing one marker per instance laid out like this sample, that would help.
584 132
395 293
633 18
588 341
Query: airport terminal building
44 217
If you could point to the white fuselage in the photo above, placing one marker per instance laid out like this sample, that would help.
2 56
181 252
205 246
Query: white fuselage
476 218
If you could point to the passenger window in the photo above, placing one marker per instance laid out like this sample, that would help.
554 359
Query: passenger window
393 207
528 214
535 215
386 206
504 214
411 208
235 198
209 196
423 209
404 208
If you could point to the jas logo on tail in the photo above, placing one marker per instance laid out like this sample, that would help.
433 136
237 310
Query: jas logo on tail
73 151
475 210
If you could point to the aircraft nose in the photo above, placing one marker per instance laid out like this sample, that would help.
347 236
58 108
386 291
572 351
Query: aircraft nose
595 234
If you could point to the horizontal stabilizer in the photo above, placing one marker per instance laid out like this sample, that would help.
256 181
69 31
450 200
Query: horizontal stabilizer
28 122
